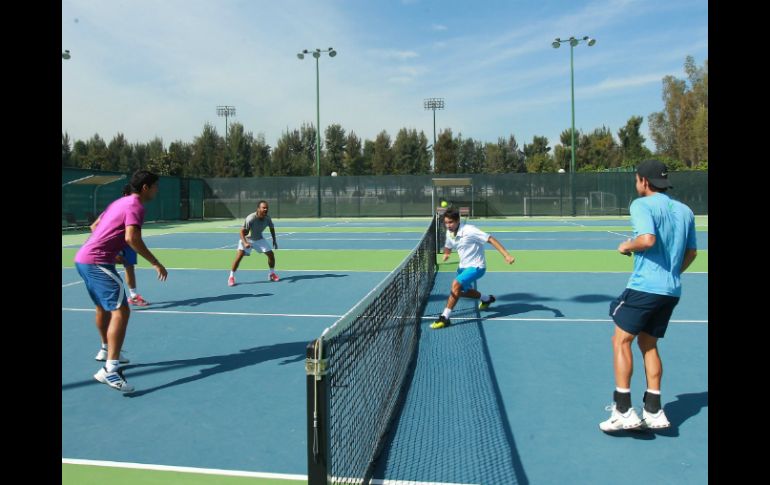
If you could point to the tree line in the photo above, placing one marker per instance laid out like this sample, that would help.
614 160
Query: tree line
679 132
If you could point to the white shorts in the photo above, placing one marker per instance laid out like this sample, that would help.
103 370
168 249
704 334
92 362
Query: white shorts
260 245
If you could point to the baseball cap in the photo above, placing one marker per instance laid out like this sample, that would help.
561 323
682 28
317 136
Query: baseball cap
656 172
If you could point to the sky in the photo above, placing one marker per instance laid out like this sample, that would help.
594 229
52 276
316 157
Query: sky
160 68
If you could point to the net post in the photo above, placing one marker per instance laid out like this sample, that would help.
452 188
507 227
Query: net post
317 413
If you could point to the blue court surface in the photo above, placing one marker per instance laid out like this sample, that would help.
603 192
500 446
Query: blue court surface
510 395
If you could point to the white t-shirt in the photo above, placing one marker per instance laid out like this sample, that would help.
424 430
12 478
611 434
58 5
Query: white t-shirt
469 244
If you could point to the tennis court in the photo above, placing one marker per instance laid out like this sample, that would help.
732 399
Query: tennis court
512 395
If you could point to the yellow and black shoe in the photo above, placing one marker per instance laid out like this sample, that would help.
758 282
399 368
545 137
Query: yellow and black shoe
441 322
485 304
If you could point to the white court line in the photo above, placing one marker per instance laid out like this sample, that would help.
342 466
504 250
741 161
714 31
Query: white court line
236 314
183 469
72 284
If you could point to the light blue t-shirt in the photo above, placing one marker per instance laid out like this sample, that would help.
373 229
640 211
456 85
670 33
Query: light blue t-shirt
658 269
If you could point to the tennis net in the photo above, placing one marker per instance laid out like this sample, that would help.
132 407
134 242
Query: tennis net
358 370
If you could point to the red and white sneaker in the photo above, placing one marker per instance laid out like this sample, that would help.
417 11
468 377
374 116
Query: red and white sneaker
138 300
231 281
273 277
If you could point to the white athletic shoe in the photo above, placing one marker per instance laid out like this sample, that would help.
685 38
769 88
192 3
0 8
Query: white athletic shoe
114 379
102 356
620 421
654 420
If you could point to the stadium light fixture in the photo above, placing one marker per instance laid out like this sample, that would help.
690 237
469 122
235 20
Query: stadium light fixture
572 43
226 111
66 54
317 54
433 104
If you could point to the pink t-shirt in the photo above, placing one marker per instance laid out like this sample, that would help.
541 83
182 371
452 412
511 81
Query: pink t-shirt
110 235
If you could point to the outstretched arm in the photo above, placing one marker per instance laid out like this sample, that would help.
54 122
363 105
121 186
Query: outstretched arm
494 242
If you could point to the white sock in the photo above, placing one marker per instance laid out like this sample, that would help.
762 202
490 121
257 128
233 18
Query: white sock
620 389
232 273
485 298
104 346
271 271
112 365
653 391
132 292
447 312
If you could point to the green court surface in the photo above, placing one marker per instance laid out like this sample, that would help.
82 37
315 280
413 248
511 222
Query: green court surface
386 260
73 474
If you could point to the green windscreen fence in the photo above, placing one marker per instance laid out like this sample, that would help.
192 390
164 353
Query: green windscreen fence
86 193
515 194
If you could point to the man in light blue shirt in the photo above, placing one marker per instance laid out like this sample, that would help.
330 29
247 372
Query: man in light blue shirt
663 247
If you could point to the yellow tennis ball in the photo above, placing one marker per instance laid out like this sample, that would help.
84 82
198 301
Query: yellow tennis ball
444 203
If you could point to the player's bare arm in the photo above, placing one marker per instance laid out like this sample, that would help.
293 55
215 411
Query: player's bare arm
494 242
134 239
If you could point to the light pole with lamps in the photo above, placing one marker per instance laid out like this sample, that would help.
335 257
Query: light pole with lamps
572 43
226 111
66 54
434 104
317 54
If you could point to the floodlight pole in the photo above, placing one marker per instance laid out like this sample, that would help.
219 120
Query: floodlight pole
317 54
433 104
225 111
572 43
66 54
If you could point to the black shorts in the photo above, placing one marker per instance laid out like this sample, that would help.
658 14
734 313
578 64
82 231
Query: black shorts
638 311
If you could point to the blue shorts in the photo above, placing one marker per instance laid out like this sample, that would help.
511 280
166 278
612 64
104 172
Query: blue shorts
103 284
129 255
466 276
638 311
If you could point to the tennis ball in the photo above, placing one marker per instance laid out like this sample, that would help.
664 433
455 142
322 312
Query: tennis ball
444 203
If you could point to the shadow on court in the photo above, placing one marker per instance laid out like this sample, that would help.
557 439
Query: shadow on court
293 279
292 352
160 305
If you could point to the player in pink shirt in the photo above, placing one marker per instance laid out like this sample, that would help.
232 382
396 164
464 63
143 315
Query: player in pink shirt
120 224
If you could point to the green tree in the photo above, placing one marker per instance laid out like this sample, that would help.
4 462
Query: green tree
446 153
353 158
66 152
261 160
382 158
470 155
632 142
536 156
118 153
79 151
681 129
96 153
205 151
368 158
180 155
409 152
333 160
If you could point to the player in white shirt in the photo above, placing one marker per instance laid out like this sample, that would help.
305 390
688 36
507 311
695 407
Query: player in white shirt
468 241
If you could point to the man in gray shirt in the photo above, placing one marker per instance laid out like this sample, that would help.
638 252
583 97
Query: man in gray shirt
253 226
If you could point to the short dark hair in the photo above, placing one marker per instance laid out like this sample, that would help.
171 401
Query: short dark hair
262 202
453 214
142 178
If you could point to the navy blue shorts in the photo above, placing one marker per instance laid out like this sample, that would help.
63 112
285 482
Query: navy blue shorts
129 255
638 311
103 284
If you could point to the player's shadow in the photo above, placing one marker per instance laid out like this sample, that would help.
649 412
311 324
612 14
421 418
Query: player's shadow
200 301
292 279
290 351
518 308
592 298
679 411
295 278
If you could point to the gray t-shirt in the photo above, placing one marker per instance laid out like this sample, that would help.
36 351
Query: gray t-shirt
254 225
